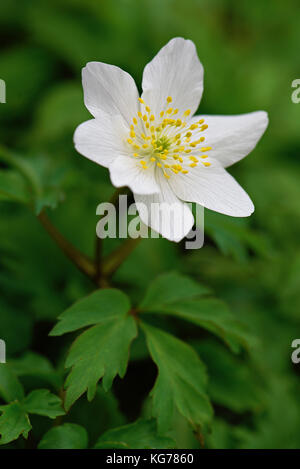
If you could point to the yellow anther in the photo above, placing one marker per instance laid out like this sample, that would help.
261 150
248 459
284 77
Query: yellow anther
141 100
177 136
174 170
148 109
187 112
132 134
175 111
166 175
134 120
140 114
152 128
206 164
203 127
135 154
169 99
193 144
152 118
145 118
201 139
205 149
147 125
167 166
193 126
162 113
143 136
204 156
145 145
152 159
175 157
192 165
137 147
169 111
178 123
180 159
184 171
181 149
194 159
187 151
188 134
201 121
129 140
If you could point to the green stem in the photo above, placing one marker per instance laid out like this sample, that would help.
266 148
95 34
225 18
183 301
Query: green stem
99 242
115 259
80 260
100 270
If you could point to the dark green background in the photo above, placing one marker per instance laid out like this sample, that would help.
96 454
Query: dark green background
250 53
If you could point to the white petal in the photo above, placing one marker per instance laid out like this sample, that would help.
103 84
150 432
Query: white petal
99 139
126 171
233 137
213 188
177 72
164 212
109 89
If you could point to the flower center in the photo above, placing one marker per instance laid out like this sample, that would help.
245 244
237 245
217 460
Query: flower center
166 141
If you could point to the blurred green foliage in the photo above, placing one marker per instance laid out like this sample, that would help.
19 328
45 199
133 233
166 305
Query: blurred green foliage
250 53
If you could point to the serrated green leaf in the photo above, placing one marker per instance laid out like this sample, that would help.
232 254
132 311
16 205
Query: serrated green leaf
100 352
213 315
181 381
99 306
10 387
43 402
171 287
67 436
138 435
13 422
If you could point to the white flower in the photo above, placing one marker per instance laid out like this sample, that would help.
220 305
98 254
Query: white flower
154 144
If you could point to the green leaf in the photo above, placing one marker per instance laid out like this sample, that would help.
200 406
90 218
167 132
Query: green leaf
177 295
181 381
99 306
13 422
171 287
67 436
138 435
213 315
100 352
43 402
10 387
